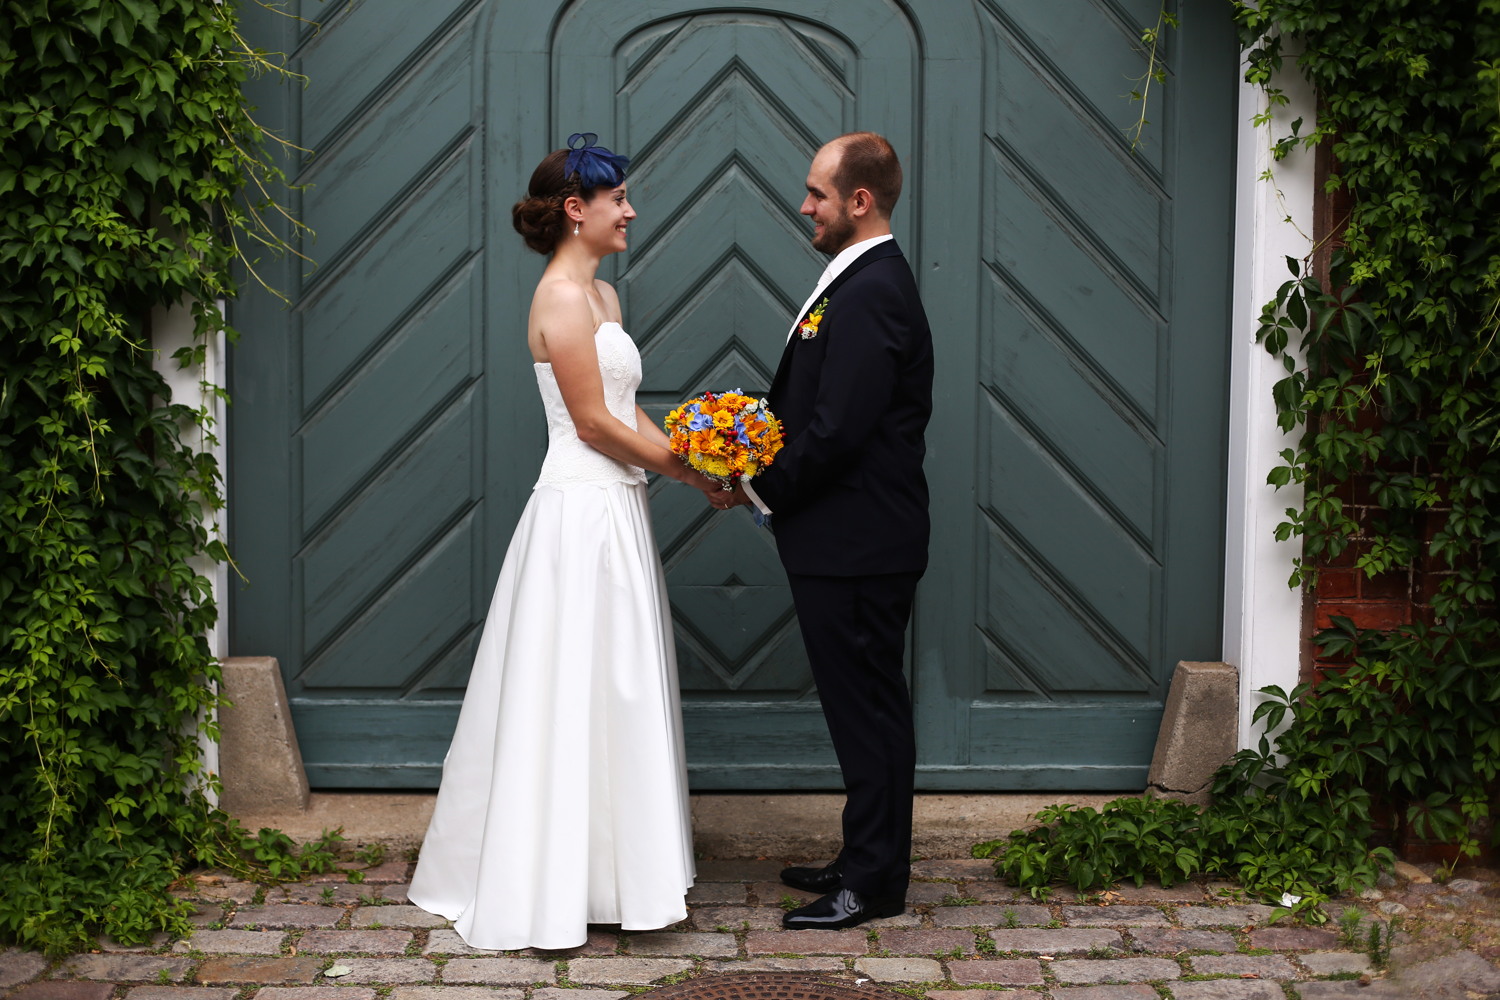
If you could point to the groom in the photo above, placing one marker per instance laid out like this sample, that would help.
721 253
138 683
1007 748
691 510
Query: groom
853 393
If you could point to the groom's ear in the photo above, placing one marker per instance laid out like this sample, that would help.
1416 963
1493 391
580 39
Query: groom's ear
862 203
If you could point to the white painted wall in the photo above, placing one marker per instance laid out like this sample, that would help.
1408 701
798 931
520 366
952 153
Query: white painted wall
1273 220
172 329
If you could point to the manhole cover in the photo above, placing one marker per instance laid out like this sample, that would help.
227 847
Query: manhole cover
767 986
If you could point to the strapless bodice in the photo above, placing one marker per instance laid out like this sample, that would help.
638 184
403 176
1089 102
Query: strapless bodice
569 461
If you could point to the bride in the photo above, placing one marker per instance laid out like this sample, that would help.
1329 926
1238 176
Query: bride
564 793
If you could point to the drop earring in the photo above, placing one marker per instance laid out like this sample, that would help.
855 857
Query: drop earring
575 228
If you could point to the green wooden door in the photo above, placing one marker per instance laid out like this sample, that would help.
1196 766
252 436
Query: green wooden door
385 431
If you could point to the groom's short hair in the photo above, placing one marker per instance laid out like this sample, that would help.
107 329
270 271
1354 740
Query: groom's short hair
866 160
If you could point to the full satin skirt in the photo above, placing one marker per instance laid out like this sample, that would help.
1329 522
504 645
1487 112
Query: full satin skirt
564 793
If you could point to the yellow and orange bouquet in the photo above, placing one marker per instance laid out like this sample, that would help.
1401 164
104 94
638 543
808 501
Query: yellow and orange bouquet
725 435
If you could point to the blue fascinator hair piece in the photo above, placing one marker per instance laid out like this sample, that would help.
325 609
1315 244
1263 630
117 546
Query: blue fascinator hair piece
594 165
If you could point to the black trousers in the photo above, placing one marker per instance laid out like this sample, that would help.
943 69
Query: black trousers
854 628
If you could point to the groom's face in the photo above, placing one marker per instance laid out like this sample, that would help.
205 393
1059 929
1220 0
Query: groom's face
833 229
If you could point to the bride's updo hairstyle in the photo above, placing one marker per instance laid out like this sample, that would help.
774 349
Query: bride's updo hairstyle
583 169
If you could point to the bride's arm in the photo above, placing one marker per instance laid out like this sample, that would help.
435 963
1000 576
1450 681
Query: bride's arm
567 327
648 429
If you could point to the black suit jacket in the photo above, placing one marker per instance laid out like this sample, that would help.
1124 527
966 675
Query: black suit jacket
847 490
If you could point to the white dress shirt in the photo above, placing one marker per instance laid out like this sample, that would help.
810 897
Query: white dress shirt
835 267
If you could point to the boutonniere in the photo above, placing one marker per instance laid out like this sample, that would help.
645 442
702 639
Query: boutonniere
809 328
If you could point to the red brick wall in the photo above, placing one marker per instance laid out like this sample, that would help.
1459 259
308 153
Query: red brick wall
1387 600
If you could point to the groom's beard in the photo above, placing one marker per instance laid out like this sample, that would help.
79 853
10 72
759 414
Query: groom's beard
837 234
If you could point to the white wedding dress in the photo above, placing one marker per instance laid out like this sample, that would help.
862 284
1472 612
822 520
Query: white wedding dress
564 793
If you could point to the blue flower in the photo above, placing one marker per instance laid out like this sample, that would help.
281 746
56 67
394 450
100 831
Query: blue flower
700 422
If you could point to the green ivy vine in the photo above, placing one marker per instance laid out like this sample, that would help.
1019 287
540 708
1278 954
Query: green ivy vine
124 143
1397 401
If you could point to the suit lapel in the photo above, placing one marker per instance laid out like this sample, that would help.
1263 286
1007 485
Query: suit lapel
879 251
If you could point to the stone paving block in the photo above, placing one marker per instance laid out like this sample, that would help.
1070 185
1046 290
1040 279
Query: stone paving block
486 993
760 918
932 893
597 943
1262 966
998 971
207 915
1136 991
233 942
966 869
1461 970
771 894
254 969
900 970
969 994
723 893
844 942
1293 939
741 870
1115 970
995 892
315 993
370 942
64 989
501 971
396 916
124 968
393 893
625 971
666 943
1228 989
1352 989
921 942
991 915
1059 941
1151 892
388 871
908 920
231 891
388 970
180 993
774 963
17 966
1114 916
1329 963
107 943
284 915
1171 940
447 942
325 893
1242 915
555 993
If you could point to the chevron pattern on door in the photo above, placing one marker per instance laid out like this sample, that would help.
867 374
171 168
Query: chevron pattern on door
1079 334
721 112
384 421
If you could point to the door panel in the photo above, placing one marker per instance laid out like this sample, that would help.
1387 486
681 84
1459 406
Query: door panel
386 430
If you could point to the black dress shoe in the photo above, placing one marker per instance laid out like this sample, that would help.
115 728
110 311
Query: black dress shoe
841 908
819 880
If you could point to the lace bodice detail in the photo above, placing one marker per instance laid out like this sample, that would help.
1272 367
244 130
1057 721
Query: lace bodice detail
569 461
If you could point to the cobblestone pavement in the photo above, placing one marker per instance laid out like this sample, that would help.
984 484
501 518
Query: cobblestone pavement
965 936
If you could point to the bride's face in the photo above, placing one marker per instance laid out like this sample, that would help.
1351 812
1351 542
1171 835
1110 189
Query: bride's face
605 218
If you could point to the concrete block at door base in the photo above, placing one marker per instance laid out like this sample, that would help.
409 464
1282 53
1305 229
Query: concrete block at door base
1198 732
260 764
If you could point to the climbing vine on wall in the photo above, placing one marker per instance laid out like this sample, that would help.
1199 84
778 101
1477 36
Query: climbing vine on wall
1398 402
123 144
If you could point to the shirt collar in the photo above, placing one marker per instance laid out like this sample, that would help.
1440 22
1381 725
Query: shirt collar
848 256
